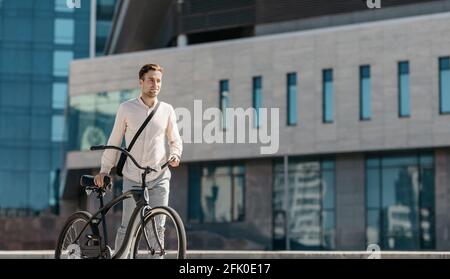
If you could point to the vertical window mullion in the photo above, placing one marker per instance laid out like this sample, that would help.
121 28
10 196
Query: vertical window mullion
380 208
233 217
321 211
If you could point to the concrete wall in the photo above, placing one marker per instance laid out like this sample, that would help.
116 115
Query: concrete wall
179 183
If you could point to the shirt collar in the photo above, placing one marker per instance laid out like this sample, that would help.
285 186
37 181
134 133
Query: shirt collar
142 102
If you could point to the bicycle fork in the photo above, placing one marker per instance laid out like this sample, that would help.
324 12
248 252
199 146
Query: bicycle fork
144 210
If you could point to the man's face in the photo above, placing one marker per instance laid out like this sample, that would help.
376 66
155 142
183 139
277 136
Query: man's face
151 83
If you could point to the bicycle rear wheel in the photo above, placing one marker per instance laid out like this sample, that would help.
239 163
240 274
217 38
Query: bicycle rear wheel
67 247
165 233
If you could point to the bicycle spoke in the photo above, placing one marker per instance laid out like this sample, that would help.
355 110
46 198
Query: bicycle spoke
71 235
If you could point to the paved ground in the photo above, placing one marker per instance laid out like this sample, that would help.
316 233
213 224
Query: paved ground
196 254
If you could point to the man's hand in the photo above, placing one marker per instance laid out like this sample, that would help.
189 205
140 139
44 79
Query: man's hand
98 179
175 162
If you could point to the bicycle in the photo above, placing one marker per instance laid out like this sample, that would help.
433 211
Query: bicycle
80 237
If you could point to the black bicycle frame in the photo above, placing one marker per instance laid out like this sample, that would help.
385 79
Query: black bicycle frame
141 202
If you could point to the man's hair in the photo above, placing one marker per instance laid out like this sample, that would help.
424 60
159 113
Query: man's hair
149 67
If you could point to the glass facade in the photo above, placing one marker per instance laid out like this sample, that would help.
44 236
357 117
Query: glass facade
364 92
224 91
310 205
327 95
400 201
91 117
444 84
216 193
292 99
38 40
64 30
403 89
257 100
104 16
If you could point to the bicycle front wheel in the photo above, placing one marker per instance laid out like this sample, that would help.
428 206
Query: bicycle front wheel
68 246
163 235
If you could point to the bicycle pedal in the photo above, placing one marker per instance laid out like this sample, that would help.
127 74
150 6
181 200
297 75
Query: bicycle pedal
93 240
93 237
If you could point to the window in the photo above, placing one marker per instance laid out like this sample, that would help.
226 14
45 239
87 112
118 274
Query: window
403 89
91 117
101 36
257 100
292 98
14 197
216 193
61 6
224 92
311 204
444 84
64 30
400 201
327 87
39 196
105 9
364 92
59 95
61 62
57 128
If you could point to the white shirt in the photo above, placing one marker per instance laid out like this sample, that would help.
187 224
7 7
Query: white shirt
150 147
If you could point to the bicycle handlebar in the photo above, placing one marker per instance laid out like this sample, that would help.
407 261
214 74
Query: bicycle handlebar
102 147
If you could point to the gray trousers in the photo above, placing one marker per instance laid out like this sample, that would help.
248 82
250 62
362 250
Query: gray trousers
158 190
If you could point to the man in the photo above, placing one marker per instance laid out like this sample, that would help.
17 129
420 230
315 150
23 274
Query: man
149 148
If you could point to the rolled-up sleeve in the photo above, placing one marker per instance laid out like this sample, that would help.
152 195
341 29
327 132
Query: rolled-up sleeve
173 135
109 157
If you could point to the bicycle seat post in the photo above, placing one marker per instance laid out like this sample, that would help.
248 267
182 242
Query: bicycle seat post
100 196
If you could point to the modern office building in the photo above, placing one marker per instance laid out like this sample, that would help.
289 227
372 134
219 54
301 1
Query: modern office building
363 95
38 40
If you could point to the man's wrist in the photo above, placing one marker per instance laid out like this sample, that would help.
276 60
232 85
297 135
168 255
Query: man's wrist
104 170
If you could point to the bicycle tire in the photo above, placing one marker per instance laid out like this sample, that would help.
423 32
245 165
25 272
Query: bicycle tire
82 216
177 226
